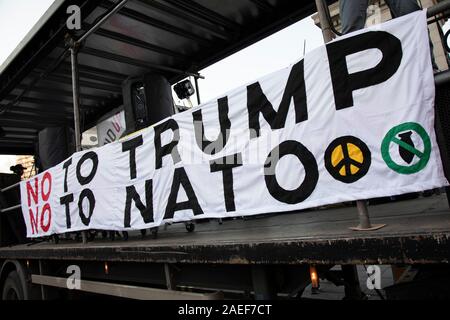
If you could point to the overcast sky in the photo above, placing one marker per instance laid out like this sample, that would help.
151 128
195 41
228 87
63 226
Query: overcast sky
17 17
271 54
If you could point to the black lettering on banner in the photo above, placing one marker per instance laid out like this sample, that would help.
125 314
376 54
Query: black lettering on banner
145 210
87 156
66 201
169 149
258 103
213 147
66 166
311 173
226 165
344 83
180 178
131 146
86 194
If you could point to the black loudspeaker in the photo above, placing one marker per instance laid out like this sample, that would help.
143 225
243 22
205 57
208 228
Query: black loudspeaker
55 145
147 100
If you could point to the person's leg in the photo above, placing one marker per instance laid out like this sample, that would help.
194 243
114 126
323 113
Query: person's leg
402 7
353 14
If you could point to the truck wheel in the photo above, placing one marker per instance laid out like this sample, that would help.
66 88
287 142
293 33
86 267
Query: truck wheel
12 289
190 227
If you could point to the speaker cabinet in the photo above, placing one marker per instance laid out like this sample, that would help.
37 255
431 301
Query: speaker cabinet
147 100
55 145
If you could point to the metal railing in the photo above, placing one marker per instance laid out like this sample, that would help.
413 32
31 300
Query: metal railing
16 207
439 8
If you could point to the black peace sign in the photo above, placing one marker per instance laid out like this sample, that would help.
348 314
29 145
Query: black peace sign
348 159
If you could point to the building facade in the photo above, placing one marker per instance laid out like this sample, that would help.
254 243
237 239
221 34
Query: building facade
28 163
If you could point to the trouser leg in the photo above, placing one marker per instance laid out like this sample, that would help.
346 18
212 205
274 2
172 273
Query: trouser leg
353 14
402 7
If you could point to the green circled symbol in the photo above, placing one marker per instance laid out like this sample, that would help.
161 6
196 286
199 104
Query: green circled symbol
391 137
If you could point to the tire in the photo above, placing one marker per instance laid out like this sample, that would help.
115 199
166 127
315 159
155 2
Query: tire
190 227
12 289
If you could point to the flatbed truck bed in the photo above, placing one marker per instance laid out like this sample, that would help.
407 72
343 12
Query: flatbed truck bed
417 231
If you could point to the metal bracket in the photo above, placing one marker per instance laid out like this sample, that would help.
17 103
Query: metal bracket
125 291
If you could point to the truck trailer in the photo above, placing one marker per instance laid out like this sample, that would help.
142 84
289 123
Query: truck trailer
121 64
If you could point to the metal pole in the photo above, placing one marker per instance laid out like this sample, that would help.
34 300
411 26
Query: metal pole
169 277
363 213
10 187
197 90
324 24
76 105
119 6
43 295
438 8
442 77
76 96
11 209
364 219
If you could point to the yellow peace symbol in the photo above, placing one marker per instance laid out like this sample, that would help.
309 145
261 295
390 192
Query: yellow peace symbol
348 159
355 158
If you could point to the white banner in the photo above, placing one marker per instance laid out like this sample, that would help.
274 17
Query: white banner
111 129
352 120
